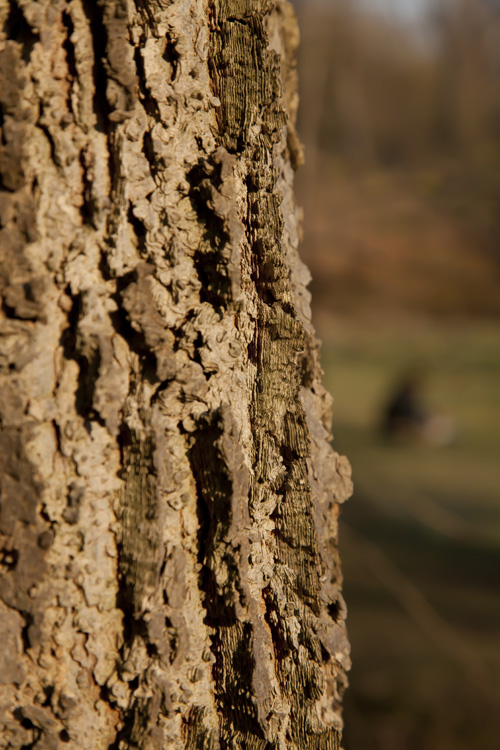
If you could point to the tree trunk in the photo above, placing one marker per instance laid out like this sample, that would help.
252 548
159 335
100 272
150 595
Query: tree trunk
169 574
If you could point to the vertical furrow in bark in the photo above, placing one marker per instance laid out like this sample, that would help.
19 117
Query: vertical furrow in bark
64 359
246 76
224 548
164 684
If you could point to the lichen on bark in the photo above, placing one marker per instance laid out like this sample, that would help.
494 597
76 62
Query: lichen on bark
169 498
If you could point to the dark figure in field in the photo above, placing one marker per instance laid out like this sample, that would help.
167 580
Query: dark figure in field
404 414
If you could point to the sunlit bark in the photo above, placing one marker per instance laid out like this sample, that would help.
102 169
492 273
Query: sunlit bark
169 499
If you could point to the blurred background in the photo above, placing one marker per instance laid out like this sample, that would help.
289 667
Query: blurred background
400 118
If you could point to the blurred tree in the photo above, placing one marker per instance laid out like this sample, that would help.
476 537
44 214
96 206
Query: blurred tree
467 113
413 111
400 94
169 570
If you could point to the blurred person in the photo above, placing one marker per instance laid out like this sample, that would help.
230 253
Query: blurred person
405 415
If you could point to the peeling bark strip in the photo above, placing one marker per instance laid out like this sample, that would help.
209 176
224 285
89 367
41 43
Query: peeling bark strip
169 576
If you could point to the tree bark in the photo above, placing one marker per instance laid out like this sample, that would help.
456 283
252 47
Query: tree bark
169 575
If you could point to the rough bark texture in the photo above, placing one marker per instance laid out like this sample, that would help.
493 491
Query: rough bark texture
168 569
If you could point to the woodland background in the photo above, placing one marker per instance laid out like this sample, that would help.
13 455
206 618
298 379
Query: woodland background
400 116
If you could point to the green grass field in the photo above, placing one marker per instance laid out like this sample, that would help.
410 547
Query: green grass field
421 538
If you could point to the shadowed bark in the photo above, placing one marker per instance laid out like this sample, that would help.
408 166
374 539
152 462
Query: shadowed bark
169 575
